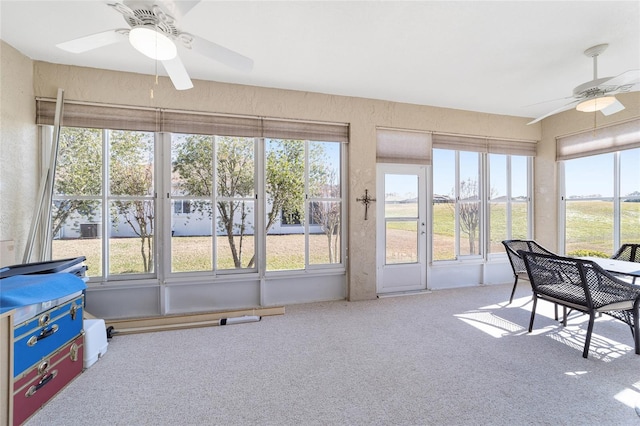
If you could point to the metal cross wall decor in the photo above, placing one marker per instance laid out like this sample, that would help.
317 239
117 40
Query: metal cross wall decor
366 200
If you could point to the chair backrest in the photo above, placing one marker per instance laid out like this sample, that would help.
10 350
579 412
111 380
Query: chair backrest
628 252
513 246
580 282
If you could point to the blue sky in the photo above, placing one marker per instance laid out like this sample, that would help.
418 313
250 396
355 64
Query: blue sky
586 176
594 175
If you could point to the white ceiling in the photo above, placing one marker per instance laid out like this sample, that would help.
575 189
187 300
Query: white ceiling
495 57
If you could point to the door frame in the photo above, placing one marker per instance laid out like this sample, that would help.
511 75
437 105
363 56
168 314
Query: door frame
423 173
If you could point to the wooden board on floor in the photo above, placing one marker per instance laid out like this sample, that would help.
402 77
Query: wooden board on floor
177 322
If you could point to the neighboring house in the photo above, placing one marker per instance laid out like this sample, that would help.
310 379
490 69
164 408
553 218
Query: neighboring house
184 223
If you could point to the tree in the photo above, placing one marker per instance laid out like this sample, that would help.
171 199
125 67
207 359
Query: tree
235 178
131 176
469 212
285 180
194 165
324 182
77 174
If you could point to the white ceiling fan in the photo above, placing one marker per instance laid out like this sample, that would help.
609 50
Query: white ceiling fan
599 93
154 32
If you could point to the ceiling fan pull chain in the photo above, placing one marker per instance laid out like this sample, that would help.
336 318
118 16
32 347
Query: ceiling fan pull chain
156 69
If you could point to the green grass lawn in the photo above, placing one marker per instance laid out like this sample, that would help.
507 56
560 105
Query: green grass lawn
443 225
284 252
590 225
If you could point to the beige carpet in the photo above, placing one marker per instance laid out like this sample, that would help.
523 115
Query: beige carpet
451 357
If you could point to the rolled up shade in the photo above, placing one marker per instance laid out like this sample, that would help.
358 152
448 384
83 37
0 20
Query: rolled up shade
618 137
482 144
100 116
403 146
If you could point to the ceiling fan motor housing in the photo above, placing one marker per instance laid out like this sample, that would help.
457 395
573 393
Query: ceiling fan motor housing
592 88
142 15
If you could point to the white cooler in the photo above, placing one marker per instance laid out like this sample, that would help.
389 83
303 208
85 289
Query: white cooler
95 340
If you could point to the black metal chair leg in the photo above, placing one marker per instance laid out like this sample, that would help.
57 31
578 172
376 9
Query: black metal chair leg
636 333
515 283
587 341
533 312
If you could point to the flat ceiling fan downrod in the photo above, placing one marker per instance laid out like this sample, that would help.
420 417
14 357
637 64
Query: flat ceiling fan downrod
594 52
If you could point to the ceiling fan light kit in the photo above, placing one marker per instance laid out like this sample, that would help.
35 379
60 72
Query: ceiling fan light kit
595 104
152 43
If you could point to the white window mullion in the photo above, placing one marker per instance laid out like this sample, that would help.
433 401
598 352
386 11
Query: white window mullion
306 206
260 236
457 233
343 204
530 199
509 201
106 218
616 200
562 208
163 211
485 215
214 210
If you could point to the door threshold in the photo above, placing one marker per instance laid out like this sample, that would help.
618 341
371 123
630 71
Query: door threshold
403 293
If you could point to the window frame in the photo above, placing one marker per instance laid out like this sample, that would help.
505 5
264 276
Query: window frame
484 200
616 199
510 201
307 201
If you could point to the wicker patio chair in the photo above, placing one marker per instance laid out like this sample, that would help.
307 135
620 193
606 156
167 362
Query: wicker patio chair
584 286
517 264
628 252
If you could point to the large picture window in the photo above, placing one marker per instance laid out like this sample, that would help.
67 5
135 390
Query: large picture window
202 201
598 216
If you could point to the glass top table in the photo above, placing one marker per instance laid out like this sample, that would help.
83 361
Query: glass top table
616 266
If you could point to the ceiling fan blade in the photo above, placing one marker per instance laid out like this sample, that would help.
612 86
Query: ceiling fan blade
222 54
613 108
555 111
177 73
177 8
122 7
628 77
90 42
549 101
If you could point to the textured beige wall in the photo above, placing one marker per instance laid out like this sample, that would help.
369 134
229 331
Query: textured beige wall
566 123
363 115
19 152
